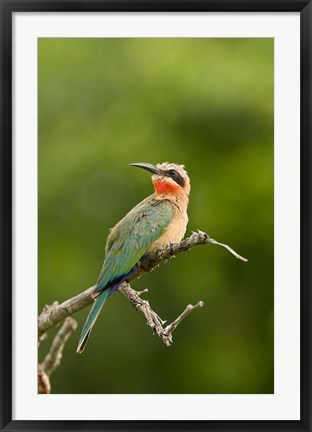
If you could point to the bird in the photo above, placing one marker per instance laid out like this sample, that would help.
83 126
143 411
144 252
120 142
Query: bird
154 223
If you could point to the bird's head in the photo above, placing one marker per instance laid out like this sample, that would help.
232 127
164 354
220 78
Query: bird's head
167 178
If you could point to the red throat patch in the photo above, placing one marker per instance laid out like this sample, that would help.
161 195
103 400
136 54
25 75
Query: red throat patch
164 186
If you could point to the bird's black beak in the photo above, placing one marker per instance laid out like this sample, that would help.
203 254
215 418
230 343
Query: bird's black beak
149 167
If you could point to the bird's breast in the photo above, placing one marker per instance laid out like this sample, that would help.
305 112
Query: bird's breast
174 232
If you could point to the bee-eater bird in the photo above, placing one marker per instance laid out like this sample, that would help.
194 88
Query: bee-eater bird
157 221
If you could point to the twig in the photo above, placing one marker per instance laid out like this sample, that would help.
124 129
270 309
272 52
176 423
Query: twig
197 238
54 314
189 308
212 241
152 318
54 356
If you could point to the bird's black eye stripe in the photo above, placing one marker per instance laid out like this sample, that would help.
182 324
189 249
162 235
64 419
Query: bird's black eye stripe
176 177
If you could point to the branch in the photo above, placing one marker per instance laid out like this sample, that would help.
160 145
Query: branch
54 314
189 308
152 319
54 356
197 238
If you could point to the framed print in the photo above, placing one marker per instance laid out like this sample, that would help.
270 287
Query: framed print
132 133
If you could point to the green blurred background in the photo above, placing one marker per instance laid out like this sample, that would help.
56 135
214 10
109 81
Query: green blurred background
206 103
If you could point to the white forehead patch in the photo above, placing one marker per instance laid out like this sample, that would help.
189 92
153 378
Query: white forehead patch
167 166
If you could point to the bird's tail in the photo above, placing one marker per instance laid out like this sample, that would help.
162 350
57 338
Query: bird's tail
93 314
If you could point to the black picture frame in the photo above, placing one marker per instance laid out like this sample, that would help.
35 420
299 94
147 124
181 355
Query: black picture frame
8 7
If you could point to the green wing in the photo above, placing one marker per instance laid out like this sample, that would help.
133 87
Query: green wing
132 236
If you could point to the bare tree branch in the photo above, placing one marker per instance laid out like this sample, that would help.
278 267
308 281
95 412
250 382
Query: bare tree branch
189 308
44 386
54 314
54 356
152 318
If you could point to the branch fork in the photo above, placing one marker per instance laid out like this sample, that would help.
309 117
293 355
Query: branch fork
152 318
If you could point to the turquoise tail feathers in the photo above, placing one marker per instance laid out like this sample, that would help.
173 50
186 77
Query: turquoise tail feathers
93 314
102 294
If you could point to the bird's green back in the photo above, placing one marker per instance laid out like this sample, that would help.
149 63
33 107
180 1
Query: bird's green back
132 236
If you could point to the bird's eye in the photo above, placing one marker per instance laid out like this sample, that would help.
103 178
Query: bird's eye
176 176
